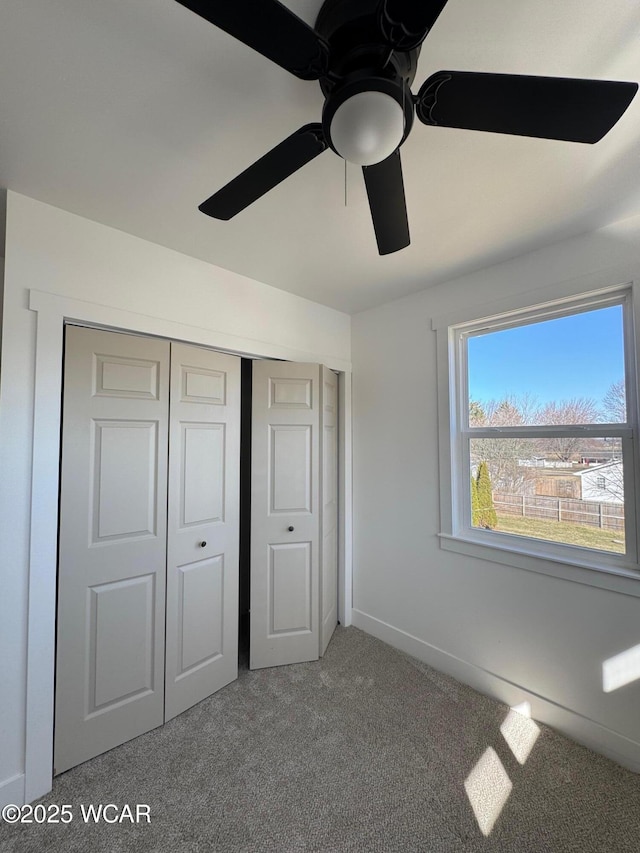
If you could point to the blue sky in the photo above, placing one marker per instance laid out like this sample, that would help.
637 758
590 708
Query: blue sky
576 356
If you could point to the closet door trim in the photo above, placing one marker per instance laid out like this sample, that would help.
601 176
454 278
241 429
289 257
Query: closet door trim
52 312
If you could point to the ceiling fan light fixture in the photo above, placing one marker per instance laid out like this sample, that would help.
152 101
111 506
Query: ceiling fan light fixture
367 127
364 56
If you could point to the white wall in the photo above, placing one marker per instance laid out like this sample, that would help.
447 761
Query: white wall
160 291
514 634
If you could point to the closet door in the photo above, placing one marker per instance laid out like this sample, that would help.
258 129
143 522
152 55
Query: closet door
293 483
203 526
112 561
329 584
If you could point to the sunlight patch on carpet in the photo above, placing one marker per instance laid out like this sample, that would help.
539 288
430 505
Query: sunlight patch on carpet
521 733
488 787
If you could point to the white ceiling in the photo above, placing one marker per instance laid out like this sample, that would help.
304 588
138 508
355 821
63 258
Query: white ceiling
132 112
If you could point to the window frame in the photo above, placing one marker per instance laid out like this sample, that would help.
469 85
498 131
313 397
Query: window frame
457 534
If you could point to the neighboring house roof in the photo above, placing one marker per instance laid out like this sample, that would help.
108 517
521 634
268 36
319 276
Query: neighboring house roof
616 463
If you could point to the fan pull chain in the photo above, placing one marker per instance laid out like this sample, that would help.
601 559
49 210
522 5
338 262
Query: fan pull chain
345 183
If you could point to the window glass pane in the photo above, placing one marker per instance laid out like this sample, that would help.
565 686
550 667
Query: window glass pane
569 370
567 490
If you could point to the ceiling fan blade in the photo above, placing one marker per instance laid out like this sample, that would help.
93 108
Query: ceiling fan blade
544 107
270 28
286 158
385 189
405 24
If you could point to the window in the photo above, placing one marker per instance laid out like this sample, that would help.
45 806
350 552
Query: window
538 398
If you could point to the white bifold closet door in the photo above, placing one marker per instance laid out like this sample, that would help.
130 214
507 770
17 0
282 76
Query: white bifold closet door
113 526
293 512
329 581
203 528
121 566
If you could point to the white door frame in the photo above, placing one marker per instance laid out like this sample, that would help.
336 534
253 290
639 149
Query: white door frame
53 312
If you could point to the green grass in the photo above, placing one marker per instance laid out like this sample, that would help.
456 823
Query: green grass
562 531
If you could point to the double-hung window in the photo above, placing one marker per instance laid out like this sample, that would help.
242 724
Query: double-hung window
540 425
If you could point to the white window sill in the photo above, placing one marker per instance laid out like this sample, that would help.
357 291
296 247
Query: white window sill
585 568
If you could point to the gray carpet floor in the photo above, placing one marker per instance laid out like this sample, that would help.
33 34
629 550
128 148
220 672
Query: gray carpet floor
366 750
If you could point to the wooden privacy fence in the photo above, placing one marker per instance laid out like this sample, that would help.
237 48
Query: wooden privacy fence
608 516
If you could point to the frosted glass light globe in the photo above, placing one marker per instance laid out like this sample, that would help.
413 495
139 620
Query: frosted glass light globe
367 128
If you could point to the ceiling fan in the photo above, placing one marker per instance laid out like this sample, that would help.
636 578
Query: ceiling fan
364 55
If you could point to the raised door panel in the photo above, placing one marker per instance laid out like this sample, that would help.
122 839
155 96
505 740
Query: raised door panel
202 475
289 584
290 468
126 452
200 385
288 392
203 526
200 614
118 376
121 618
112 560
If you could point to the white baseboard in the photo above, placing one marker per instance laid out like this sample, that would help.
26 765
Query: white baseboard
12 791
574 725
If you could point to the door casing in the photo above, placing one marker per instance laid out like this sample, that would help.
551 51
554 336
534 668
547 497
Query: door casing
53 311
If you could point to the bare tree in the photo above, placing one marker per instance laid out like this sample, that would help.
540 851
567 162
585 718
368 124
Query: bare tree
503 457
512 410
614 483
578 410
504 454
477 415
614 403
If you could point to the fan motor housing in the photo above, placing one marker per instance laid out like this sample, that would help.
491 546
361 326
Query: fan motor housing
360 61
351 29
